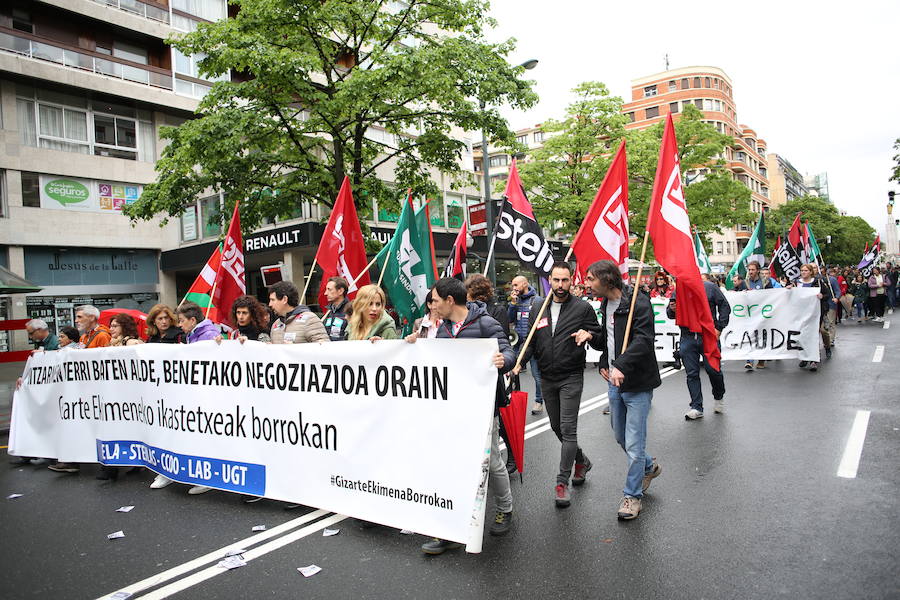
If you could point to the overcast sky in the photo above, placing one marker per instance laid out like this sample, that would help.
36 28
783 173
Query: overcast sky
818 81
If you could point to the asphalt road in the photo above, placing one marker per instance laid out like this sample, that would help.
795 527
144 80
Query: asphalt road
749 505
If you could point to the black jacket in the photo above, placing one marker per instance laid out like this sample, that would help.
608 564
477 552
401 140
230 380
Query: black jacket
718 307
638 364
557 354
479 324
336 320
173 335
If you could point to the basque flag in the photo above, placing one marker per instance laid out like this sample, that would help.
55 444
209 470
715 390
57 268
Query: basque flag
456 263
603 234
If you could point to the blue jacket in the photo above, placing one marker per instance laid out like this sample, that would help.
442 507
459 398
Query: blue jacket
479 324
519 310
204 330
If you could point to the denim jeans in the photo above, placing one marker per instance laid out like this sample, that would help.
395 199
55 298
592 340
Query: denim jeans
691 348
563 401
628 416
499 479
536 373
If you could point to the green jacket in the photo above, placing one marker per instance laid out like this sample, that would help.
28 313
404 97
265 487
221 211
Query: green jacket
384 328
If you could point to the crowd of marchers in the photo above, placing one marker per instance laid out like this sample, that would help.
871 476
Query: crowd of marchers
557 333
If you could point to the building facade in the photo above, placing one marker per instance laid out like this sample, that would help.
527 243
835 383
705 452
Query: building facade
709 89
785 181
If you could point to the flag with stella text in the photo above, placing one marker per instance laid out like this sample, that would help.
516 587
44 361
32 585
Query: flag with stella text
670 229
700 252
603 234
785 262
755 250
517 230
342 250
456 262
200 291
869 257
230 282
407 275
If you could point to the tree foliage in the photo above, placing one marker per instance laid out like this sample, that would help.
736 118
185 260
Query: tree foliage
895 173
849 235
374 89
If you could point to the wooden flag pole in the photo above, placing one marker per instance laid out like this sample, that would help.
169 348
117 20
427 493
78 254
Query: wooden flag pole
634 292
537 319
212 294
312 270
383 268
364 271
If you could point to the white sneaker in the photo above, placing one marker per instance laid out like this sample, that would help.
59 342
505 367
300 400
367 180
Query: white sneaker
720 406
693 414
161 481
198 489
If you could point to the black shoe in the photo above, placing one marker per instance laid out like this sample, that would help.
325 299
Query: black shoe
20 460
439 546
511 466
108 473
813 366
803 364
677 364
502 523
828 352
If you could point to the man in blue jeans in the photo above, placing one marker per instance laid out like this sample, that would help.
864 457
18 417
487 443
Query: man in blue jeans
523 299
632 375
691 350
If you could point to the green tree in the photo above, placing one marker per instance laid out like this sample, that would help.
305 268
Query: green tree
849 235
562 176
895 173
321 88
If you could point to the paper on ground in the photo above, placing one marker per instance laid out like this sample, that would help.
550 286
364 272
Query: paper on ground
232 562
330 532
309 571
259 528
116 535
125 509
14 496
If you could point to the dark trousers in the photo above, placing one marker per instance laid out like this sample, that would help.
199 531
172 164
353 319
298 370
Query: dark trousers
562 397
691 348
876 305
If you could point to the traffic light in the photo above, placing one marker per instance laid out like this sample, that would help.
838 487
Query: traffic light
891 198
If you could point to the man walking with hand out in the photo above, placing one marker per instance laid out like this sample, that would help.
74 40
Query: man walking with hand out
558 346
632 375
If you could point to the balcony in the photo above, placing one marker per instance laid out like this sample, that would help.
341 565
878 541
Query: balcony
76 58
136 7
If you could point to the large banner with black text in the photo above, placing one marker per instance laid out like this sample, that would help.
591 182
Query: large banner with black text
389 432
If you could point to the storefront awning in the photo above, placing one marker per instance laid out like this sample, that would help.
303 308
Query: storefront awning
10 283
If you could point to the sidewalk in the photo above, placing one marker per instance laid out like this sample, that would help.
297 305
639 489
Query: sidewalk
8 374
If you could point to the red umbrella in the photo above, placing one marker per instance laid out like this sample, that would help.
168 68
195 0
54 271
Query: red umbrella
514 421
139 317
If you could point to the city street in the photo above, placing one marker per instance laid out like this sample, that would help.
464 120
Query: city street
749 505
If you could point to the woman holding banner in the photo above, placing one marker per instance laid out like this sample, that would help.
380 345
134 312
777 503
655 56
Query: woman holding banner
877 295
369 320
808 279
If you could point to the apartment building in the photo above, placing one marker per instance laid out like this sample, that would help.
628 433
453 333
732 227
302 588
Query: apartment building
817 185
785 181
710 89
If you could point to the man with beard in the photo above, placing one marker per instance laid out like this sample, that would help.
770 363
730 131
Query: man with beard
558 346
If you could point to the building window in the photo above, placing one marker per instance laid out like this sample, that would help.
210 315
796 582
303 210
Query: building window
649 91
538 137
696 82
477 165
685 84
698 103
672 86
651 112
31 189
630 116
673 107
522 139
210 211
708 104
21 20
718 247
500 160
706 82
211 10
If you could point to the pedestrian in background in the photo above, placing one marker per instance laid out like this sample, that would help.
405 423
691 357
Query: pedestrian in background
161 327
39 335
524 299
877 295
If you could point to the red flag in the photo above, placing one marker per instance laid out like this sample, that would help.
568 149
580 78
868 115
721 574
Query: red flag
603 234
798 239
515 193
342 251
673 245
200 291
456 263
772 272
230 281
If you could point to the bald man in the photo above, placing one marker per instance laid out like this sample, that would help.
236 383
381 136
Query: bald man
524 298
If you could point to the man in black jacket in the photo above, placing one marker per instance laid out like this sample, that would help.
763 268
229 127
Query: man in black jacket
470 320
632 375
561 362
335 318
691 349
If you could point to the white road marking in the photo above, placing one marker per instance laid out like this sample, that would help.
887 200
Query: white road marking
853 450
210 572
887 324
879 353
216 555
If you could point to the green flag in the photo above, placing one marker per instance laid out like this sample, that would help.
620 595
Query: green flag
814 252
754 250
406 269
700 252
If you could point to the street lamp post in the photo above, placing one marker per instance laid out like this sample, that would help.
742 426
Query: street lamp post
486 174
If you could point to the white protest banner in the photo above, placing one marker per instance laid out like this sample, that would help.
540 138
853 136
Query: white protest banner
388 432
667 332
772 324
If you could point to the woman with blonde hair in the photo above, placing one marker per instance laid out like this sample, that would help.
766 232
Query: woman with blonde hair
369 320
161 327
